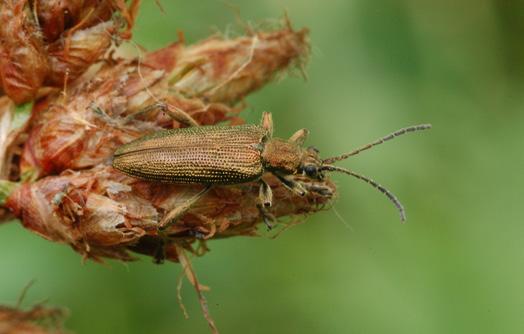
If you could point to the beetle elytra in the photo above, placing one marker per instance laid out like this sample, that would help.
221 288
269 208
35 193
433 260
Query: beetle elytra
221 155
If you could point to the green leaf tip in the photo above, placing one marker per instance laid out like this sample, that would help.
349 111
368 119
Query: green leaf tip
6 188
22 113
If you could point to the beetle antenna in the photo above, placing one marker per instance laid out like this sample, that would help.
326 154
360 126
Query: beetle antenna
374 184
378 142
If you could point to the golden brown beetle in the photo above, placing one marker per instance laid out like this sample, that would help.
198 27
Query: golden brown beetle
214 155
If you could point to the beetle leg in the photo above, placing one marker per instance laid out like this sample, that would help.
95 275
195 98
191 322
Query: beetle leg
267 123
299 137
265 194
319 189
296 187
180 115
149 108
267 216
175 113
179 211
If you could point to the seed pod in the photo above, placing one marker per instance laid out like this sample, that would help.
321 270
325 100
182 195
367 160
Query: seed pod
103 213
70 56
49 42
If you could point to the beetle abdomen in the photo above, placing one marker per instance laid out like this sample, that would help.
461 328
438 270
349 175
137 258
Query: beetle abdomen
207 154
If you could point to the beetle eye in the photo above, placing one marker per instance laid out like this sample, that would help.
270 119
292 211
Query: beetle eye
310 170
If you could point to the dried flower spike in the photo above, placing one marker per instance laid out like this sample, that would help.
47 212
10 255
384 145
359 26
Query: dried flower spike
103 213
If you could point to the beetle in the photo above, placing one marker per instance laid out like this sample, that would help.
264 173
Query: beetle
228 155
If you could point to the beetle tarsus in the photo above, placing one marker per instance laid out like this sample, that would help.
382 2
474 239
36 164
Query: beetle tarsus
268 224
268 218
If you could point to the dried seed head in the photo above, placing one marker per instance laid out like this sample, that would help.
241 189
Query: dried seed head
226 71
103 213
70 56
100 212
37 320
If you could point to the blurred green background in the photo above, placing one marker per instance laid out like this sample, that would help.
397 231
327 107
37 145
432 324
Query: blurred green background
457 266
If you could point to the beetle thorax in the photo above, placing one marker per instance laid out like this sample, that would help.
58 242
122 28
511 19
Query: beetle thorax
281 155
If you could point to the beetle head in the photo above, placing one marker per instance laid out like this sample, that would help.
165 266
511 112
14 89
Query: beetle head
311 164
